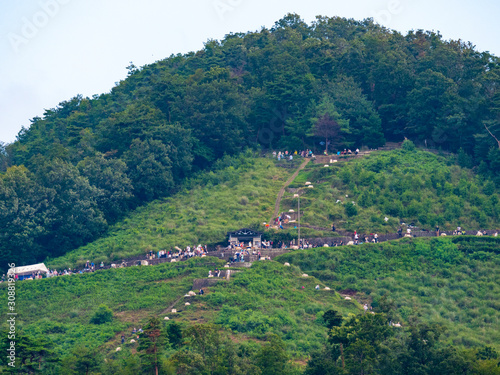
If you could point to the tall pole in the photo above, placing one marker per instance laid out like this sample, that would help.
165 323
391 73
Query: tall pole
298 240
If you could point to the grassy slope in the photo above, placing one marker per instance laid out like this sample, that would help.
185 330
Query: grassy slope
434 277
458 291
416 186
266 297
203 212
60 308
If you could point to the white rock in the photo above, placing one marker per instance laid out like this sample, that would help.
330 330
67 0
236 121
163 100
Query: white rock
191 293
287 264
132 341
350 243
348 298
326 288
118 349
174 310
305 275
335 160
187 304
443 234
292 210
308 183
326 165
226 266
310 186
187 295
166 318
326 245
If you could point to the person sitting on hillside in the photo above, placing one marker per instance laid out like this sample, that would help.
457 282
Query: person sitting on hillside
357 151
201 292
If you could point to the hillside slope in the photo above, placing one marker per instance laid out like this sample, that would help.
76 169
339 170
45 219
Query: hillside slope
448 281
209 206
443 280
415 186
403 185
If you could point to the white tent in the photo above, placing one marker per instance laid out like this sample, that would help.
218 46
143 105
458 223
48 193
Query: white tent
28 270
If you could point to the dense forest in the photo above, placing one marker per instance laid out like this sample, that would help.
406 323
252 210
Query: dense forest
346 83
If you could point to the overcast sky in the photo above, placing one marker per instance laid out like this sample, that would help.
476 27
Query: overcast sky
52 50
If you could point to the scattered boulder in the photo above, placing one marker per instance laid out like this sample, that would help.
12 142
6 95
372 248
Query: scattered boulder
287 264
132 341
166 318
174 310
308 183
305 275
187 304
118 349
191 293
326 288
350 243
347 298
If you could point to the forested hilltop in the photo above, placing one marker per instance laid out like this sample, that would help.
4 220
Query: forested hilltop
86 163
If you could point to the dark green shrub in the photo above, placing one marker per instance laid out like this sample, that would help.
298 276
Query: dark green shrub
102 315
350 209
408 145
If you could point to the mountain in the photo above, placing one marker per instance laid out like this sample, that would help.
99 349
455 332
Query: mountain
85 164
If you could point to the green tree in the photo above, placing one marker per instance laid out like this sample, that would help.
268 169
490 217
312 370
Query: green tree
149 169
82 360
152 343
272 357
109 176
328 124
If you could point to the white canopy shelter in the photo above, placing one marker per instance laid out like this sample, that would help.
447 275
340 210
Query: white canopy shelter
28 270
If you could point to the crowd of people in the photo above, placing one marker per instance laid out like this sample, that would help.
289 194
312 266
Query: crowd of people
186 253
289 155
242 251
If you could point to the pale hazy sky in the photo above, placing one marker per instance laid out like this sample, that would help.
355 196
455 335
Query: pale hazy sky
52 50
